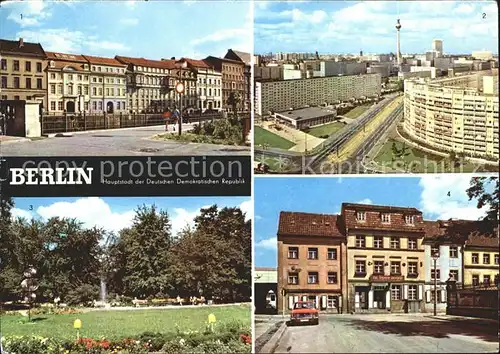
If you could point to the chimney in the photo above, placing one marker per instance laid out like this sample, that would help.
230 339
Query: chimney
173 58
21 42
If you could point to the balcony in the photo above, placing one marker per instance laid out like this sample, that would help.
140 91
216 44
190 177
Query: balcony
412 275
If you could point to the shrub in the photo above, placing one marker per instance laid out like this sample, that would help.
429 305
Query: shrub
31 344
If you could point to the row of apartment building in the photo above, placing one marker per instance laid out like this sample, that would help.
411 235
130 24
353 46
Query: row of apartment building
76 82
373 258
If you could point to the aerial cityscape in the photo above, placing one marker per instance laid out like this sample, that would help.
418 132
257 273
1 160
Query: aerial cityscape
74 79
404 100
401 257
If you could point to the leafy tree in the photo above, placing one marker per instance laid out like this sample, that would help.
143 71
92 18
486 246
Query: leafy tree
214 257
142 253
400 153
234 100
486 190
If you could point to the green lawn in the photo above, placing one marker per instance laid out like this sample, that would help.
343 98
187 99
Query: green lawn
118 324
326 129
263 136
356 111
422 162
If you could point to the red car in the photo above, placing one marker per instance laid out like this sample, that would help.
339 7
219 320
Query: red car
304 312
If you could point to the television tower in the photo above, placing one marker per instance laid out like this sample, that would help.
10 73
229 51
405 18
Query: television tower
398 53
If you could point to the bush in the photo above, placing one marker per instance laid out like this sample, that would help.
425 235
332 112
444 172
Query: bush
82 294
30 345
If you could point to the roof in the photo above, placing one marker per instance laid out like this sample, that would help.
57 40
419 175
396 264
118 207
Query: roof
307 224
14 48
66 57
374 207
472 233
373 220
211 59
103 61
265 269
197 63
307 113
63 64
237 55
160 64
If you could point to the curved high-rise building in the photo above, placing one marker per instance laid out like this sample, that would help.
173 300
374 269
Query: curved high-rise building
457 114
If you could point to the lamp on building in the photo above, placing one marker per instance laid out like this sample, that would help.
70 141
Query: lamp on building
435 257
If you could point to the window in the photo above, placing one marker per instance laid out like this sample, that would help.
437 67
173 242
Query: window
332 277
386 218
38 67
475 279
4 81
53 89
332 302
17 98
293 278
360 241
312 278
60 106
378 242
412 269
360 267
394 242
312 253
475 258
453 252
454 274
433 294
410 219
361 216
435 251
4 97
16 82
436 274
39 84
486 258
497 259
412 292
412 244
378 267
52 105
16 65
86 90
293 252
395 292
395 268
486 279
27 66
332 253
4 64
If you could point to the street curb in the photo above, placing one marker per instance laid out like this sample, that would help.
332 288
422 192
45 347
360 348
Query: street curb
272 343
20 140
70 134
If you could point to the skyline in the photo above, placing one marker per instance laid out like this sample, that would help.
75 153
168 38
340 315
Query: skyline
116 213
194 29
429 194
348 27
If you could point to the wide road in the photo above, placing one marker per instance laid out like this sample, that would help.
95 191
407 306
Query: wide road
391 333
120 142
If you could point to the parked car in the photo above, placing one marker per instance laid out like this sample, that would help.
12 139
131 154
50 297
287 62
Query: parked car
304 312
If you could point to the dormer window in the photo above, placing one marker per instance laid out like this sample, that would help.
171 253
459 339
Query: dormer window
361 216
386 218
52 64
410 219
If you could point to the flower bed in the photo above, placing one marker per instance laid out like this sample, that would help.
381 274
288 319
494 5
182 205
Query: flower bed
230 338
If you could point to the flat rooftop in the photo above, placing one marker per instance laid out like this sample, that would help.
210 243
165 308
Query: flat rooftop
307 113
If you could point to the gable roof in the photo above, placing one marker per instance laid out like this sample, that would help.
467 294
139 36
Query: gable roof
237 55
159 64
308 224
197 63
15 48
66 57
103 61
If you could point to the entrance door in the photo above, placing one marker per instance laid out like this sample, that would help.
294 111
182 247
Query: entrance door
109 107
379 298
70 107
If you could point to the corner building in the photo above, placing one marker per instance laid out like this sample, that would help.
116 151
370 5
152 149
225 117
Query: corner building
311 261
385 258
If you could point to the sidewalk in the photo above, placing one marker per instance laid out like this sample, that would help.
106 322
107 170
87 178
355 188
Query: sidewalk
7 139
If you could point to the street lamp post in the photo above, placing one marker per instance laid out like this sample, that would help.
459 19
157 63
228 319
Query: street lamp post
435 257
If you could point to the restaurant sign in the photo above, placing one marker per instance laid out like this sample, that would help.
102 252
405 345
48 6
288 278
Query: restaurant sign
386 278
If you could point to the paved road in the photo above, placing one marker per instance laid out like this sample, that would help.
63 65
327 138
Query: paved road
120 142
391 334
